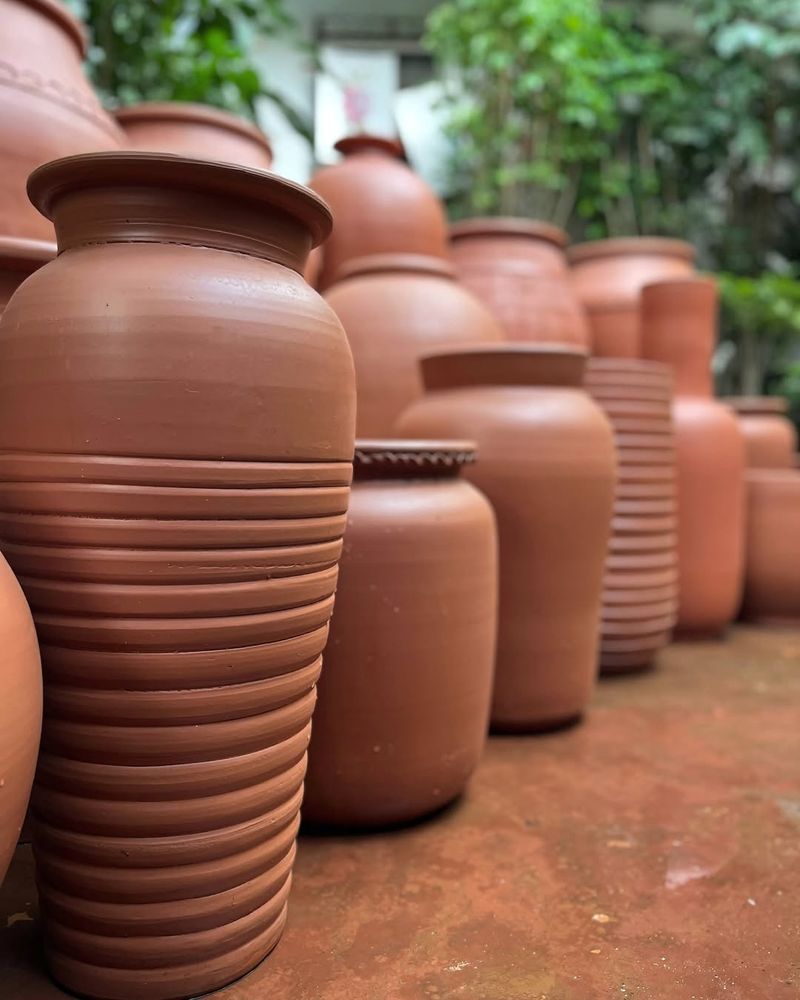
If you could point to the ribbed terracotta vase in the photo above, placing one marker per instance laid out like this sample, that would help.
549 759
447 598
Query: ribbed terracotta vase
176 433
608 276
517 268
770 437
194 130
18 260
679 328
640 589
396 308
772 575
404 702
547 464
380 206
47 107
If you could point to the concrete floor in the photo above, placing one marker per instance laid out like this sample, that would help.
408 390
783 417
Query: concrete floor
652 853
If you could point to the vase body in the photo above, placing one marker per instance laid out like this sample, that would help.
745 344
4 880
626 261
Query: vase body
404 704
517 268
195 130
18 259
679 328
394 309
546 463
770 438
772 574
174 512
380 206
608 276
47 106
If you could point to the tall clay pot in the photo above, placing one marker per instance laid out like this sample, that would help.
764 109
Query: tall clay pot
770 437
608 276
47 107
404 702
19 259
518 269
679 328
395 308
194 130
547 464
176 430
772 576
380 206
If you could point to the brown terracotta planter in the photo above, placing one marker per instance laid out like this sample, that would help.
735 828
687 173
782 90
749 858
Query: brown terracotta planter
380 205
194 130
404 705
18 260
47 106
608 276
772 574
679 327
175 509
518 269
547 465
395 308
769 436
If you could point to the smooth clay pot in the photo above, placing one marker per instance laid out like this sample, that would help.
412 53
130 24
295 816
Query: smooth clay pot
770 438
772 575
608 276
517 268
380 206
679 328
404 702
19 259
47 106
547 464
395 308
194 130
176 433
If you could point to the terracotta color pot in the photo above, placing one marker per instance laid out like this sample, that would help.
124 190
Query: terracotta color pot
678 327
380 205
772 573
175 443
47 107
18 259
404 705
608 276
194 130
770 438
547 465
395 308
518 269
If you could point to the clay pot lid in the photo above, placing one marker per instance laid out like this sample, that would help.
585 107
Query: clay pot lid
65 19
393 262
512 364
49 182
387 458
508 226
661 246
757 405
364 142
24 255
186 111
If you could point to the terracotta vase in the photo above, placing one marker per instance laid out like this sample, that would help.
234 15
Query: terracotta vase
517 268
47 107
640 592
608 276
772 575
19 259
770 437
546 463
404 703
395 308
195 130
679 328
176 430
380 206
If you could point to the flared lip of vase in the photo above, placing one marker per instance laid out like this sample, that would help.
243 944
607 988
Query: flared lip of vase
64 17
503 225
511 364
127 168
364 142
407 263
403 457
17 254
187 111
757 405
620 246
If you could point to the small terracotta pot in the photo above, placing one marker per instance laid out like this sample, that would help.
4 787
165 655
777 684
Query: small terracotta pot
19 259
772 574
517 268
608 276
770 438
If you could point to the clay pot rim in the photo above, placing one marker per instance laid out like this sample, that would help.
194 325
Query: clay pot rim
364 142
749 405
631 246
182 111
19 254
704 284
629 366
507 225
400 458
760 476
65 19
51 181
404 263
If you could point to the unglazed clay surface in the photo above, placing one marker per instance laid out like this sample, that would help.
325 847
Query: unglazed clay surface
770 438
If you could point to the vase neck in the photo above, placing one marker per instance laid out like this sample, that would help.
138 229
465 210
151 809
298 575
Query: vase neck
679 320
505 365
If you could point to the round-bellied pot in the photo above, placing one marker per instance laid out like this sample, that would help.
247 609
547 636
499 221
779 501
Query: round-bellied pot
176 438
770 438
518 269
547 464
395 308
772 562
47 106
380 205
404 704
19 259
679 328
608 276
194 130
